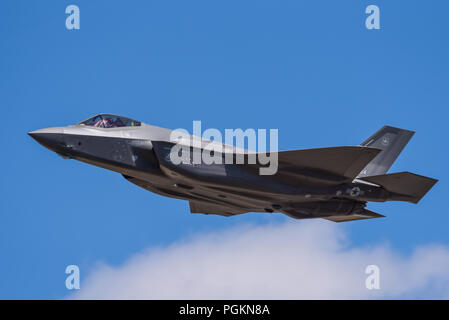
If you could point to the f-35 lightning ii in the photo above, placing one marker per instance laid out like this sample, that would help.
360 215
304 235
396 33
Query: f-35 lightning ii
331 183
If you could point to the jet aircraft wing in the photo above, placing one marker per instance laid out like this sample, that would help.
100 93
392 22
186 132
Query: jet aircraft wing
325 165
210 208
365 214
314 166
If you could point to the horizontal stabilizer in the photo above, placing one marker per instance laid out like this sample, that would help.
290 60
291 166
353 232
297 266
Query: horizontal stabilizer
404 186
365 214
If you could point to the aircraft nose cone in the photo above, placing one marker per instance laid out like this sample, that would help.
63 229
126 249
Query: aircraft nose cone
50 138
42 138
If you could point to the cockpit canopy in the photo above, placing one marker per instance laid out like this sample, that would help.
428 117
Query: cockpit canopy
109 121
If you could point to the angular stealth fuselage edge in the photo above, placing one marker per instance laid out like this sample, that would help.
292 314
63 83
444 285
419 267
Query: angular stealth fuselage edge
330 183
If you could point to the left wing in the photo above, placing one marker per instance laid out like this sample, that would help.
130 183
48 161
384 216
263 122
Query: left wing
208 208
365 214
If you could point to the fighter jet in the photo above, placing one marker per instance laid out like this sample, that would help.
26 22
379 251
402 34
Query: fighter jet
331 183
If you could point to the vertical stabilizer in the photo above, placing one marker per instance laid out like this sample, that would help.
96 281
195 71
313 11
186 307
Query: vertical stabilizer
391 141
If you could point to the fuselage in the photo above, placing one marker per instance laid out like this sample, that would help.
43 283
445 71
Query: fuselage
129 149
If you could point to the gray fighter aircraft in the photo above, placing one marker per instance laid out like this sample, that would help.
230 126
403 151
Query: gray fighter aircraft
330 183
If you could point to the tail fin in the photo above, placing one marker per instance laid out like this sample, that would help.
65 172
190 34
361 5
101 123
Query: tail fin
404 186
391 141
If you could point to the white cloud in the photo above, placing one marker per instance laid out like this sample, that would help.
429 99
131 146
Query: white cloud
295 260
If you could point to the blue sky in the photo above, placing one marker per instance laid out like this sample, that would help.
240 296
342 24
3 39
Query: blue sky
308 68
